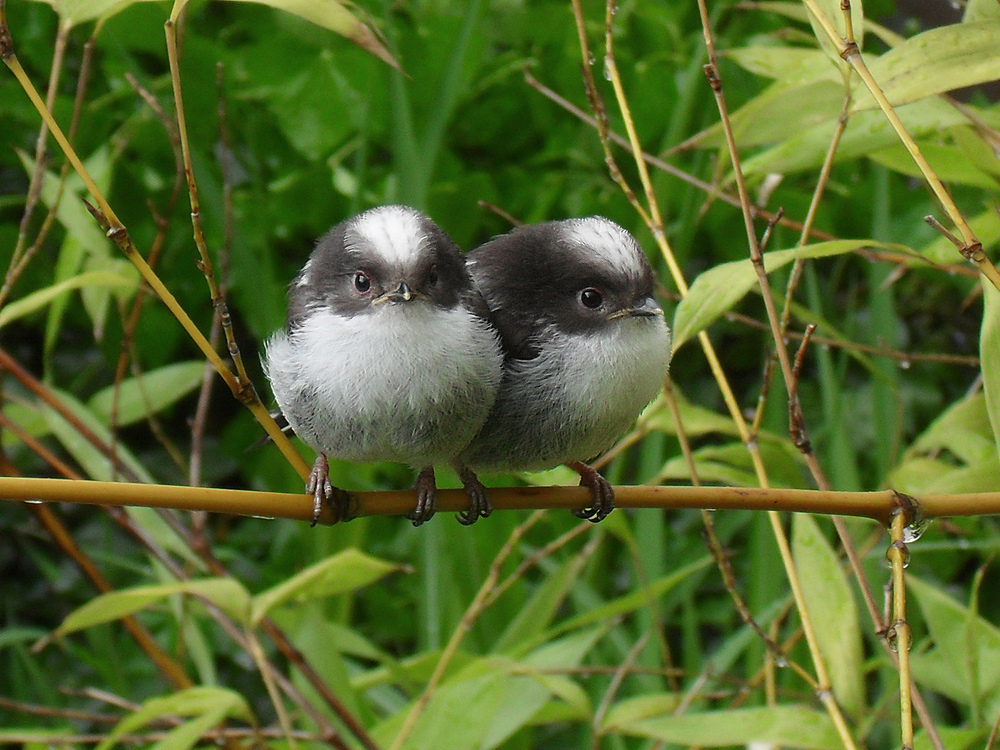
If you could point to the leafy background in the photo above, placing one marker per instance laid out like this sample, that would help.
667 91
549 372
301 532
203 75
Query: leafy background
622 635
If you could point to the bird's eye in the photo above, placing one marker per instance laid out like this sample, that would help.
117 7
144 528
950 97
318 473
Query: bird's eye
361 282
432 276
591 298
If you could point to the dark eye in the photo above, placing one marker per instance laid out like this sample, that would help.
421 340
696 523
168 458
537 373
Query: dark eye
361 282
591 298
432 276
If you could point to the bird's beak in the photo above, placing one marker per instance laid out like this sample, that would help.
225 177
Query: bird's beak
646 308
402 293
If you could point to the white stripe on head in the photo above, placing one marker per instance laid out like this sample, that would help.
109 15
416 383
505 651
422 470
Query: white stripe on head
394 232
608 241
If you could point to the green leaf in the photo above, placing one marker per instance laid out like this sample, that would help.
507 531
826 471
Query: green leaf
147 394
832 10
790 65
832 609
535 615
225 593
208 705
949 163
38 300
92 459
787 726
989 355
717 290
634 710
346 571
633 601
329 14
963 429
948 667
935 61
866 133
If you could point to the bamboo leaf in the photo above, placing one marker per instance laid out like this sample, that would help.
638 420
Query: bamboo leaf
787 726
43 297
334 15
830 602
208 706
935 61
718 289
346 571
147 394
225 593
989 356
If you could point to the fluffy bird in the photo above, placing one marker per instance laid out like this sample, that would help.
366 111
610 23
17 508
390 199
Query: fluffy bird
585 347
387 355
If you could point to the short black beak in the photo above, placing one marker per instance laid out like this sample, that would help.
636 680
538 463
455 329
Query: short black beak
402 294
647 308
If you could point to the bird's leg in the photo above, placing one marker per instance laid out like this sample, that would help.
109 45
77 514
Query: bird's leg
426 496
479 499
324 493
602 494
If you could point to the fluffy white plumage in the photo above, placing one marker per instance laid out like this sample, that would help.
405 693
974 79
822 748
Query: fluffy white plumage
407 382
575 399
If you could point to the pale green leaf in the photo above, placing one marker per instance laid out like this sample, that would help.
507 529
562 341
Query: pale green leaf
147 394
866 132
346 571
633 710
935 61
334 15
946 667
94 462
790 65
989 355
225 593
208 705
457 716
535 615
926 476
39 299
948 162
985 226
787 726
97 300
74 12
717 290
641 597
963 429
981 10
832 609
832 10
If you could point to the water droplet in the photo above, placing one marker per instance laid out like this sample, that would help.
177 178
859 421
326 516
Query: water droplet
905 364
903 550
590 59
892 638
915 530
607 69
34 502
780 661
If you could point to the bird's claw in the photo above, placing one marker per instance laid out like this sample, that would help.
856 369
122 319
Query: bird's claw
479 498
324 493
426 497
602 494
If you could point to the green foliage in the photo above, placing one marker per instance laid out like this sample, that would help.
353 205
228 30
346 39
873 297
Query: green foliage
624 635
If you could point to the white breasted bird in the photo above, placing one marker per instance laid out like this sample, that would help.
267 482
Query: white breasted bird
387 355
585 347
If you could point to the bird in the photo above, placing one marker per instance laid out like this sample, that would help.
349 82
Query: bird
387 355
585 344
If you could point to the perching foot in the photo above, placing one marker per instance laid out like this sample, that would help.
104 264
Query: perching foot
479 499
602 494
426 496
